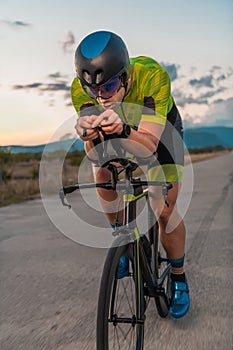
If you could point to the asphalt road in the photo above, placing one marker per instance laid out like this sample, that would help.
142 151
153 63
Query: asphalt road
49 283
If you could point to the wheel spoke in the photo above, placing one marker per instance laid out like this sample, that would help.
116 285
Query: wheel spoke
118 327
124 334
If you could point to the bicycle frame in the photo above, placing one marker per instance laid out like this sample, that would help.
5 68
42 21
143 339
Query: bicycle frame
130 227
133 192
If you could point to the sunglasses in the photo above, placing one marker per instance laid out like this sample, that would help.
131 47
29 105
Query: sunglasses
105 91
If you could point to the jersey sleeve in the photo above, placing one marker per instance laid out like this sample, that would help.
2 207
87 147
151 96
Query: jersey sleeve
80 100
157 97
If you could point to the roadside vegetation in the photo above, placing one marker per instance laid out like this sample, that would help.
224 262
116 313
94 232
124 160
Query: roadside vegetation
19 173
199 154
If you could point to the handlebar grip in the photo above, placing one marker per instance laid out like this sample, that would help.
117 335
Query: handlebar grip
70 189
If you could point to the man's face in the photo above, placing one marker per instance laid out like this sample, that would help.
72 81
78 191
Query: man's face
114 101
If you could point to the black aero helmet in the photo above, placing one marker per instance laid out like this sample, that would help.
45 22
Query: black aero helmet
99 57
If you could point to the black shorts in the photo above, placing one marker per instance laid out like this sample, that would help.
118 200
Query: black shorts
170 151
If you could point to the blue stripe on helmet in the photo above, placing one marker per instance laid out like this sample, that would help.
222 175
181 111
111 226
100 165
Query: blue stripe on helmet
94 44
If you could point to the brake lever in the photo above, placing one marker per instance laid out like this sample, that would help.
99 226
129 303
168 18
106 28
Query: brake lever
63 197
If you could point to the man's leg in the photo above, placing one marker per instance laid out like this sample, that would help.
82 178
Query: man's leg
172 236
171 226
111 201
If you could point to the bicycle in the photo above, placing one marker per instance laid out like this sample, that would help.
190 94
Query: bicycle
122 303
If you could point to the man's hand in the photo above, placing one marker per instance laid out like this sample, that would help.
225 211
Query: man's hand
109 121
85 129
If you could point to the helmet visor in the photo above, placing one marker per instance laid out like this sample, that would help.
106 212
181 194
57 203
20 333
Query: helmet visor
105 91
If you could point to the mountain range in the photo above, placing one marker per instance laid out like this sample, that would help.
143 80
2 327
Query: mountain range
208 136
71 144
194 138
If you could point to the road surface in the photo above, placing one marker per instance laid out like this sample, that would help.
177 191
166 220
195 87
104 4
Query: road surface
49 283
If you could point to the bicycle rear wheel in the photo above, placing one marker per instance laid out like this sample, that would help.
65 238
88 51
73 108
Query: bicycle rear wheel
160 269
120 317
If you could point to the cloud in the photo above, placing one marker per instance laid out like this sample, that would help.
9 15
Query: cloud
55 87
59 83
212 93
215 69
219 100
171 69
43 87
221 77
206 81
183 100
205 99
27 86
15 24
57 75
217 113
230 72
69 41
220 113
210 103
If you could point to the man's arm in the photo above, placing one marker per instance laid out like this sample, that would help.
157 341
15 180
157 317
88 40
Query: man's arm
144 141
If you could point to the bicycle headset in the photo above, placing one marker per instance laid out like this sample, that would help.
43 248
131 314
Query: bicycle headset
102 60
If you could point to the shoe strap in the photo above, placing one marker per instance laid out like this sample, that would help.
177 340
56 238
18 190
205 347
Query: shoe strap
179 286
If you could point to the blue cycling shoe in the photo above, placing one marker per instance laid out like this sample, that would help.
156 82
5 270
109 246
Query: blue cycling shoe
123 268
180 301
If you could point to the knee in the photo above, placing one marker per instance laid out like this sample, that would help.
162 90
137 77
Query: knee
161 211
164 215
170 220
102 175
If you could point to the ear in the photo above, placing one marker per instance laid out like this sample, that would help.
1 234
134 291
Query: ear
130 73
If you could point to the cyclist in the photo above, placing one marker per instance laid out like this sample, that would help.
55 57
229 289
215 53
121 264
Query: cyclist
106 77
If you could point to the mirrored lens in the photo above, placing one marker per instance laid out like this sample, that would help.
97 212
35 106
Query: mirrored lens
106 90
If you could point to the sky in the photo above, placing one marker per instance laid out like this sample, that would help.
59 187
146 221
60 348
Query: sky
192 39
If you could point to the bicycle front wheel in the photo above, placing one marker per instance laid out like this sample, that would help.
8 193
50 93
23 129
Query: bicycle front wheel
120 318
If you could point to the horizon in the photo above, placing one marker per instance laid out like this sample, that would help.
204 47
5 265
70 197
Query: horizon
71 137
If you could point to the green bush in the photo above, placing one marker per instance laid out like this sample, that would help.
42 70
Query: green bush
75 157
5 157
5 175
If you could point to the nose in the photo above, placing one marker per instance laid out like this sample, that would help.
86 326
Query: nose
100 93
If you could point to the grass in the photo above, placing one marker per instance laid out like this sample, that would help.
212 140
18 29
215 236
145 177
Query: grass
19 174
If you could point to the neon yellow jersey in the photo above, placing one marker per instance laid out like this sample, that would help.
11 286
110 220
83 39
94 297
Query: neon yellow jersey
149 98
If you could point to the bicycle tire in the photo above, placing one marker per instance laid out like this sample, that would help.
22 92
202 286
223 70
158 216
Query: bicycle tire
158 266
120 302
